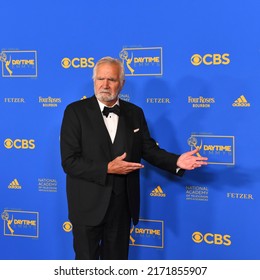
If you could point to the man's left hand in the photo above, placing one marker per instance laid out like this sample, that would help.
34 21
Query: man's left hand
188 161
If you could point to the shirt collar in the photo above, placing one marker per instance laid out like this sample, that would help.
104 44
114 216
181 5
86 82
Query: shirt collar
102 105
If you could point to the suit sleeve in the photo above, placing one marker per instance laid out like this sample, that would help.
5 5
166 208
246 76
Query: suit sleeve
152 153
73 162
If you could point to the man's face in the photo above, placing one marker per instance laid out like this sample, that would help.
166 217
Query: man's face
107 84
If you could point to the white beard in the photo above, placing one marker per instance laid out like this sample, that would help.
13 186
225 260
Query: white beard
103 97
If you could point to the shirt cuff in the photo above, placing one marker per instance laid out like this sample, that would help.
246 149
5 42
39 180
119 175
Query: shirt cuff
178 169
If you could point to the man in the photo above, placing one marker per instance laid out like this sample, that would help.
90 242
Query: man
101 152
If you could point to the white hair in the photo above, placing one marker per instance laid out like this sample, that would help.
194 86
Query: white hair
110 60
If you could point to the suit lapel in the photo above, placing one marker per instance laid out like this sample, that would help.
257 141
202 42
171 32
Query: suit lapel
99 127
128 120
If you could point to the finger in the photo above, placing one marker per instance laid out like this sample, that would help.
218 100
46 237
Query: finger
198 164
190 153
133 168
122 157
202 162
135 164
201 159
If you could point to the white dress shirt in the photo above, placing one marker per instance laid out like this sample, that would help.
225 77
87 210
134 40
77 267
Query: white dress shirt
111 121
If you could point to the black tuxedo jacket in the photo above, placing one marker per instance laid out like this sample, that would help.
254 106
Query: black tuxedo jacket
86 152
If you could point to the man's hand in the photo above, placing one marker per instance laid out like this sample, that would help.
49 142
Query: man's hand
189 162
119 166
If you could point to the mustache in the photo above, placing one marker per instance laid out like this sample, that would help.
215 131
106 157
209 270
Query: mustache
104 91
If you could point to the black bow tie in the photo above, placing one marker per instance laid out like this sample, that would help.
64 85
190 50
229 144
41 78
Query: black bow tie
115 110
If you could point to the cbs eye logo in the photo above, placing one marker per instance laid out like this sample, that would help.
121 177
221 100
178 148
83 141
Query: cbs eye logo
210 238
66 63
210 59
19 144
67 226
78 62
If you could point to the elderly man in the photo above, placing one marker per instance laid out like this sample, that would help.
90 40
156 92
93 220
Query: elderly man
103 140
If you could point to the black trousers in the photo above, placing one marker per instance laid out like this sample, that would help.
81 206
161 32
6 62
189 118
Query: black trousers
108 240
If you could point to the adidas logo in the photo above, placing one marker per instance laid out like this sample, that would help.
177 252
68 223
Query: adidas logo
14 185
158 192
241 102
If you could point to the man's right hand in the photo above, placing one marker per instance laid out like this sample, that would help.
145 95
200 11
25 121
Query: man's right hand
120 166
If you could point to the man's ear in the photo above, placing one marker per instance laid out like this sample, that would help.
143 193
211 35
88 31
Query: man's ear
122 85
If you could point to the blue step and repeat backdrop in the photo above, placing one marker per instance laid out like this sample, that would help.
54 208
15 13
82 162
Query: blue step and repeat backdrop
194 68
